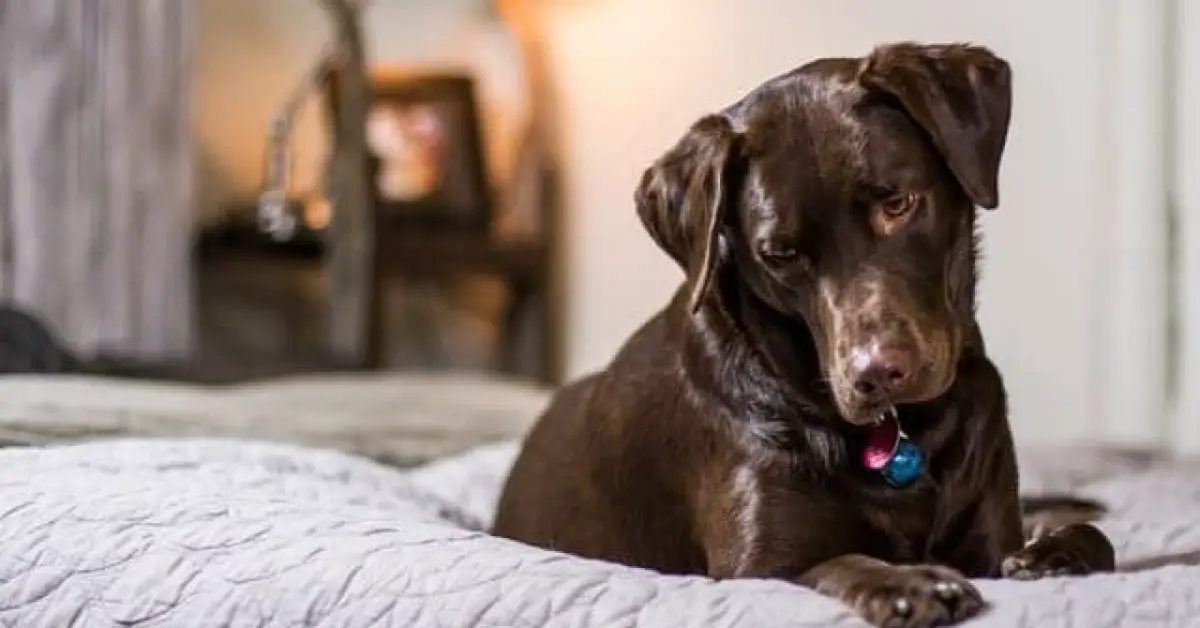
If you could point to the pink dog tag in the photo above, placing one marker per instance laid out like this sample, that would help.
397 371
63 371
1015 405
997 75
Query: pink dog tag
881 444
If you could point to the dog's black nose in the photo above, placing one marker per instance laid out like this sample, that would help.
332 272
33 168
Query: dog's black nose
880 372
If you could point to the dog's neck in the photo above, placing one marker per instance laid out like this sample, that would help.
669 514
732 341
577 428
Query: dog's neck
769 375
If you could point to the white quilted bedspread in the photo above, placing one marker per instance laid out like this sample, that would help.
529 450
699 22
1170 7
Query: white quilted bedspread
398 418
207 533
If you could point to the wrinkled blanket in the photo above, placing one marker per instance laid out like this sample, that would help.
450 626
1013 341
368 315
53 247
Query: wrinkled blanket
218 533
398 418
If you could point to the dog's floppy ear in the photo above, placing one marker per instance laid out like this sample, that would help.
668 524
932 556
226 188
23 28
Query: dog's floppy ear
961 95
683 198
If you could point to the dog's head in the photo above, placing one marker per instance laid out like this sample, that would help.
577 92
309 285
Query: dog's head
844 194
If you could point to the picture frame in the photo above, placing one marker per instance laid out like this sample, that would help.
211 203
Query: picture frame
427 159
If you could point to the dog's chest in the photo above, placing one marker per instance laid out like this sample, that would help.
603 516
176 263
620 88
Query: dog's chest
906 519
903 521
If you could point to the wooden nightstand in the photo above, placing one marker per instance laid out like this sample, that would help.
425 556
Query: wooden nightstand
525 268
251 285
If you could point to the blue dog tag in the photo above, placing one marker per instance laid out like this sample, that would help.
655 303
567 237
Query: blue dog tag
907 464
889 451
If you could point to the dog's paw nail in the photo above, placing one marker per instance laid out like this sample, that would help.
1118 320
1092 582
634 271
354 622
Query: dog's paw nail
1012 566
948 590
1053 564
915 596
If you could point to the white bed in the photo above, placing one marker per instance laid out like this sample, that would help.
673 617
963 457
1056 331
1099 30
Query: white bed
149 529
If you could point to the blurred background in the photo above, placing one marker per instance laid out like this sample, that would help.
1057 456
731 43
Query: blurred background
182 184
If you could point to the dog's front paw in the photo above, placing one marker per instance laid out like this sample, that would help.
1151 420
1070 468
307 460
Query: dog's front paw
916 596
1075 550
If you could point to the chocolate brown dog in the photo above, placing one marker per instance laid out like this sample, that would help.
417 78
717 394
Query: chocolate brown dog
815 403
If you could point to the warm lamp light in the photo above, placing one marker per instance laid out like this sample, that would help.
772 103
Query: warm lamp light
317 213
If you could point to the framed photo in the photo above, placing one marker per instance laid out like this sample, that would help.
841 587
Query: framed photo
424 136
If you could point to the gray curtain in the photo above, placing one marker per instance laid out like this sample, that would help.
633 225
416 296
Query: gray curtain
96 171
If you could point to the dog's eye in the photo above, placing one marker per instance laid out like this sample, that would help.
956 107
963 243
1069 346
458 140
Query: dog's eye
899 205
778 254
894 211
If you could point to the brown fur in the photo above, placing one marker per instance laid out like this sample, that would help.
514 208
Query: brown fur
826 223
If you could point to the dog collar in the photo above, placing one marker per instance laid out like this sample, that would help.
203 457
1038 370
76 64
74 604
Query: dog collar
891 453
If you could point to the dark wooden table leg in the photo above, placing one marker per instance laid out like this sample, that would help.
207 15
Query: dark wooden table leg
523 298
376 337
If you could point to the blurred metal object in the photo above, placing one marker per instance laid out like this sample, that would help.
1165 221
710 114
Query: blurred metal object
273 215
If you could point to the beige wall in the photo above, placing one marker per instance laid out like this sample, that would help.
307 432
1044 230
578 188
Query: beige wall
631 74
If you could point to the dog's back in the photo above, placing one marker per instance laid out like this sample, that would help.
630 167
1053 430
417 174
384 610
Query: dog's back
550 475
598 474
